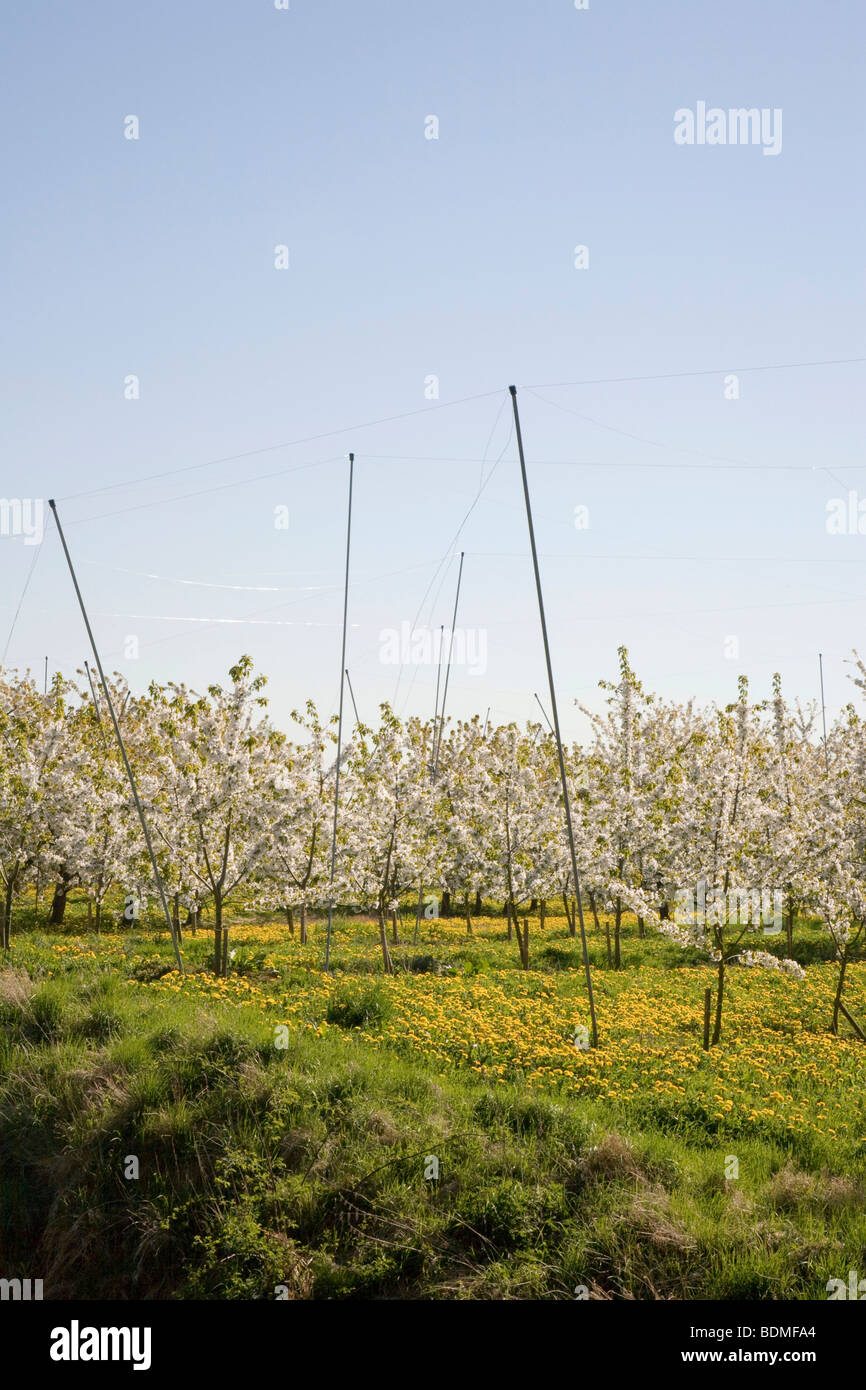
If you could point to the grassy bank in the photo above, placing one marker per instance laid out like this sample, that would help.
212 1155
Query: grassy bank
284 1124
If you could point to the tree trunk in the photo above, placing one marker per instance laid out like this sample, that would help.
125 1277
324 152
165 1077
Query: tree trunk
383 942
7 916
617 930
418 914
592 904
570 915
843 966
303 924
468 915
789 925
395 934
542 912
218 933
641 928
478 903
445 906
717 1029
523 943
58 905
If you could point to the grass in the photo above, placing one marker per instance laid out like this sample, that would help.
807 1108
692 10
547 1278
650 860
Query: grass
435 1134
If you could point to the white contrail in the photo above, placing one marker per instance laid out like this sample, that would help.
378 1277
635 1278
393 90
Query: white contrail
207 584
252 622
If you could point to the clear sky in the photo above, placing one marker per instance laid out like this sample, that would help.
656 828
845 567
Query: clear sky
411 258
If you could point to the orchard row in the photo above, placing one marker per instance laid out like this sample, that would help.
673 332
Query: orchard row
717 826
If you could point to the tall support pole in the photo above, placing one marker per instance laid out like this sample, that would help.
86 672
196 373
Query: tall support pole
544 712
565 796
95 704
448 669
438 680
352 693
340 723
133 788
430 765
824 714
437 741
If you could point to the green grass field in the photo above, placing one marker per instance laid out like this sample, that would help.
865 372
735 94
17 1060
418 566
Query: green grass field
437 1133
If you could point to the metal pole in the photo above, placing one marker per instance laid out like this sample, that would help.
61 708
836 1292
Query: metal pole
107 694
823 714
340 722
432 773
352 693
438 679
565 796
95 704
544 712
448 669
435 769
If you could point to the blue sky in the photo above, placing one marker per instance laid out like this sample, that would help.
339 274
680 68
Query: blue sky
410 258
